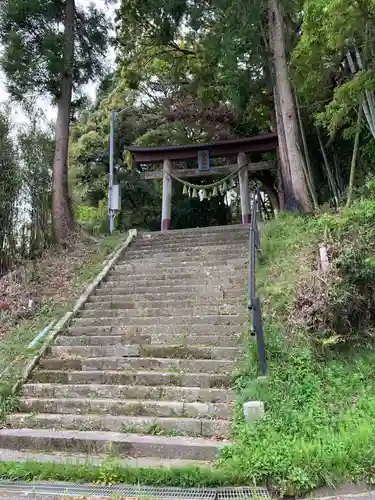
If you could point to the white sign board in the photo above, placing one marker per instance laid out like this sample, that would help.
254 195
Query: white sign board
115 201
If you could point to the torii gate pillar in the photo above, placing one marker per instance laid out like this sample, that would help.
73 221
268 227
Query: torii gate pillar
167 196
243 178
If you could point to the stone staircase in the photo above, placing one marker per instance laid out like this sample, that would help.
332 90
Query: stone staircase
144 371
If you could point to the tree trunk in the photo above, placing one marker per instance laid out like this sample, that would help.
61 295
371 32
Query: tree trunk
283 159
283 174
63 221
287 108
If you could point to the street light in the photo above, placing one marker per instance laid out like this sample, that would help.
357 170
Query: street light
113 190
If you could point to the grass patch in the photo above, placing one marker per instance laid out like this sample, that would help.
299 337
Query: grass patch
111 472
57 280
320 404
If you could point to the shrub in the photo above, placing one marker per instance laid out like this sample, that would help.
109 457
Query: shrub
93 219
339 306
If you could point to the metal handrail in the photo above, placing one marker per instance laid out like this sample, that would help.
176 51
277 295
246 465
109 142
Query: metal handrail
254 301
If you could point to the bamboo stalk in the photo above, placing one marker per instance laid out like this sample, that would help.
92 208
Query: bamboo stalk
365 105
369 95
354 157
308 169
331 180
338 175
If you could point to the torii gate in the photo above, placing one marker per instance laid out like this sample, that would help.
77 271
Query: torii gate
237 147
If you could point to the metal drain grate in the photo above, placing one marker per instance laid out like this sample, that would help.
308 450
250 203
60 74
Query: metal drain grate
242 493
141 492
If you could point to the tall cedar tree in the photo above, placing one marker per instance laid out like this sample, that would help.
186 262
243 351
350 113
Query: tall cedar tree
52 47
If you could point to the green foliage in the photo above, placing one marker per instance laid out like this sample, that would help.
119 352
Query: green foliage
191 212
10 189
94 220
332 70
8 402
318 428
36 148
25 190
329 31
111 473
344 105
338 308
32 36
205 49
318 425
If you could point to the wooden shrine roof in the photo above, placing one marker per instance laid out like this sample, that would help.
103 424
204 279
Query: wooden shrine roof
258 144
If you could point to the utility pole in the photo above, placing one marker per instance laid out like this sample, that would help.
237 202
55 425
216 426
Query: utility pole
112 189
111 212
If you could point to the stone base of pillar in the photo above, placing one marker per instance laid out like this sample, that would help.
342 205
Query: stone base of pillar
246 218
166 224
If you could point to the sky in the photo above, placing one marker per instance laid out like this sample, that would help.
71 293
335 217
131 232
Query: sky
17 115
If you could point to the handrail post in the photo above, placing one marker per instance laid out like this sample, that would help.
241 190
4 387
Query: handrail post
259 203
259 333
253 301
251 283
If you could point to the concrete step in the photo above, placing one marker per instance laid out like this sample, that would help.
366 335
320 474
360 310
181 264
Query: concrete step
178 256
214 240
164 272
117 351
160 284
102 295
119 310
125 407
148 378
194 231
157 393
180 262
118 444
161 278
139 268
98 460
103 363
193 237
170 426
206 289
181 339
193 267
157 330
121 302
191 248
212 320
205 250
152 351
141 272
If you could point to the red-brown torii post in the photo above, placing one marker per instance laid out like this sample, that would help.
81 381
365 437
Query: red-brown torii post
224 149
